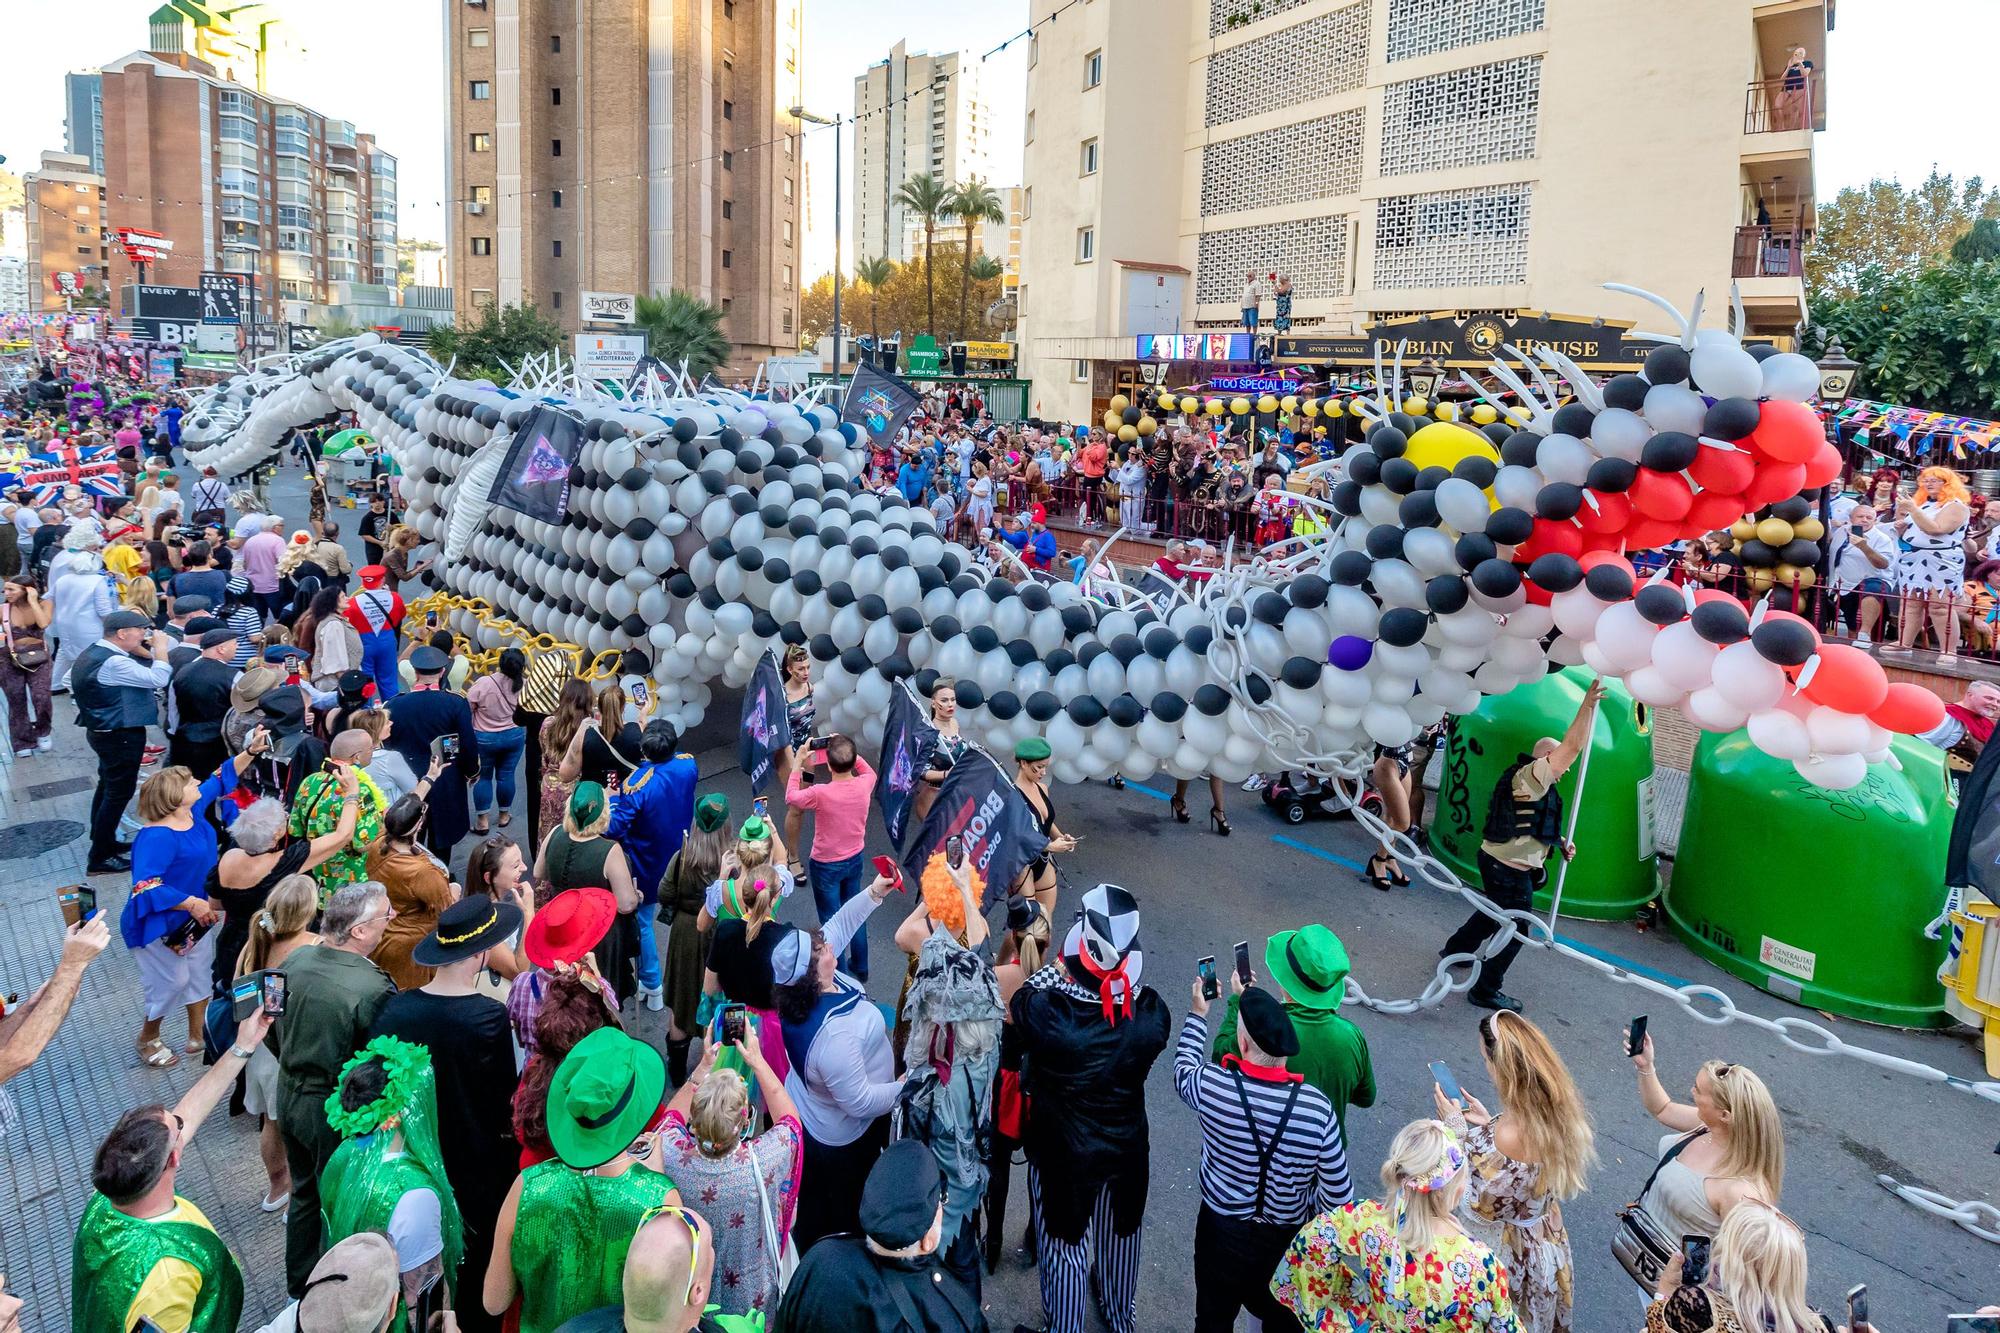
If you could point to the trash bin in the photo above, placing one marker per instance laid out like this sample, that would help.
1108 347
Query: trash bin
1615 871
1820 897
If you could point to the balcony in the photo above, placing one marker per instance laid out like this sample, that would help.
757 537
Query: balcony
1768 265
1768 252
1785 106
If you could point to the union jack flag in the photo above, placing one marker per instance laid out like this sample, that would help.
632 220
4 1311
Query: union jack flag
44 475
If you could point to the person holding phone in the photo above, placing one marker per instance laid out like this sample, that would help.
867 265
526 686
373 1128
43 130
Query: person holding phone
1756 1280
1524 823
420 888
1526 1160
650 819
25 668
801 716
839 801
116 683
420 718
1728 1146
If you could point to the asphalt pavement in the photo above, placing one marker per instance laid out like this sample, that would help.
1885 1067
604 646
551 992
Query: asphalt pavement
1845 1122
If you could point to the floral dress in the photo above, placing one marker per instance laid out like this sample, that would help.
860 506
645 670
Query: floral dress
1525 1227
724 1190
1346 1271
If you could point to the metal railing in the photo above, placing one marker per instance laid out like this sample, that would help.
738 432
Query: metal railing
1768 252
1788 102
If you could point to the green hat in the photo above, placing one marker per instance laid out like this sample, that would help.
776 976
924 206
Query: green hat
1311 964
586 803
711 812
755 829
1032 750
603 1096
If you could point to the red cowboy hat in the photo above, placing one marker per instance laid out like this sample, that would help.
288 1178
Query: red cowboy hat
569 927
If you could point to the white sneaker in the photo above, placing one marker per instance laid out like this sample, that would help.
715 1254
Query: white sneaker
654 999
46 743
1255 782
1863 641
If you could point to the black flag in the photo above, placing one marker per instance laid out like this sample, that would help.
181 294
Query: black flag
982 805
905 736
877 404
535 478
766 728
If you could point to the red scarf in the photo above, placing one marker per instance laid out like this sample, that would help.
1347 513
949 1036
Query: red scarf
1113 986
1978 727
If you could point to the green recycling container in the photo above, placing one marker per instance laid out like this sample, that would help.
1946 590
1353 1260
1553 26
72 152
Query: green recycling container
1615 870
1820 897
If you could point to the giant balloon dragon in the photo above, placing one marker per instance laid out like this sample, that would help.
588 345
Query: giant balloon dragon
703 527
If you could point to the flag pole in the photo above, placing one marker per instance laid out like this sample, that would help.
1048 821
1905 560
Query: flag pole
1575 810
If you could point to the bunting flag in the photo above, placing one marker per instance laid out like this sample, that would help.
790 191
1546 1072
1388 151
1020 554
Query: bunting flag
767 728
535 478
1910 432
905 736
45 475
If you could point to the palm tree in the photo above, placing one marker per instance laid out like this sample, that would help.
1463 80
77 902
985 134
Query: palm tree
972 202
929 198
985 268
876 274
680 327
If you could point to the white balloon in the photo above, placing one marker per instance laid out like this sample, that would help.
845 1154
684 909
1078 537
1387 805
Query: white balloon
1517 486
1675 407
1564 458
1743 677
1625 637
1619 433
1779 734
1835 772
1722 369
1834 732
1649 686
1789 376
1576 612
1463 505
1683 657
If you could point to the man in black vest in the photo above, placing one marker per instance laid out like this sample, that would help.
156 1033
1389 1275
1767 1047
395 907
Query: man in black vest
420 718
197 702
1523 825
116 684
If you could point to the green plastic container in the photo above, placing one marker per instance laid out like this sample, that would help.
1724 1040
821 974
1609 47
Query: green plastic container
1615 872
1820 897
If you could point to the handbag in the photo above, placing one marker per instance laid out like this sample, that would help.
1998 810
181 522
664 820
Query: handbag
27 653
1637 1243
785 1250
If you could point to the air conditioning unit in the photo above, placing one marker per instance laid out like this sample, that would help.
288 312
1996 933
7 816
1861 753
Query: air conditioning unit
474 207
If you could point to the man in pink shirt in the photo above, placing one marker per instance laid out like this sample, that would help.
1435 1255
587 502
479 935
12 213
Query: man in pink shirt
839 789
260 565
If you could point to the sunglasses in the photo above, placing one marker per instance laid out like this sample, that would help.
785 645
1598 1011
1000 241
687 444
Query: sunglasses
692 1221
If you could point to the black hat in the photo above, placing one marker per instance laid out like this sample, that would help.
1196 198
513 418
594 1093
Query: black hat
280 653
900 1201
471 925
212 637
200 625
428 661
192 604
118 620
1268 1023
355 686
284 713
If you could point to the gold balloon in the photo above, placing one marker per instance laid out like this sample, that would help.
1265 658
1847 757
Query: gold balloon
1310 407
1808 577
1166 401
1147 425
1443 444
1267 403
1759 579
1484 415
1417 405
1290 402
1127 434
1808 529
1120 403
1239 407
1213 407
1774 532
1743 529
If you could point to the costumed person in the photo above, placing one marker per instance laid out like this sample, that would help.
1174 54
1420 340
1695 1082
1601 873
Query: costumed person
427 723
141 1250
376 614
1523 825
387 1175
889 1276
1085 1033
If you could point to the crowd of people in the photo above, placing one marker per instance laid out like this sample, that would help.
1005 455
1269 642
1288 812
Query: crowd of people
410 900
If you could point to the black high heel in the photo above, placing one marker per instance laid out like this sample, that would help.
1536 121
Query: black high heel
1221 821
1396 875
1180 810
1378 873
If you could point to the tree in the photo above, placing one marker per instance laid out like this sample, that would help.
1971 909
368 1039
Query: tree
680 327
331 328
929 198
876 274
1892 228
498 343
1982 242
897 303
985 268
972 202
1928 339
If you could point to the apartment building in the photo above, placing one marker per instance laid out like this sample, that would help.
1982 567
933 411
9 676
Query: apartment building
64 204
83 117
241 182
914 115
627 147
1398 158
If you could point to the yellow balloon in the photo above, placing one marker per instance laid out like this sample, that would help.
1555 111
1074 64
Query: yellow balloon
1743 529
1774 532
1444 443
1484 415
1417 405
1267 403
1808 577
1167 402
1120 403
1213 407
1127 434
1290 402
1334 409
1445 411
1311 407
1239 406
1147 425
1809 529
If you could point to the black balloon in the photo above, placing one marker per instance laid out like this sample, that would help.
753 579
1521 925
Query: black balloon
1125 711
1558 500
1388 442
1510 526
1346 497
1211 700
1126 649
1667 364
982 638
1610 476
1757 555
1476 469
1270 607
1496 578
1351 568
1085 711
1257 688
1661 603
1433 477
1384 541
1041 705
1786 642
1308 590
969 694
1301 673
1520 449
1573 419
1445 594
1670 451
1795 510
1399 475
1160 641
1363 469
1609 583
1004 704
1402 626
1556 572
1472 548
1731 418
823 648
1168 707
1199 639
1799 553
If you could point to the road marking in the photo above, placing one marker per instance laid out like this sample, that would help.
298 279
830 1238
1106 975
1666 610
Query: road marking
1320 852
1144 790
1618 960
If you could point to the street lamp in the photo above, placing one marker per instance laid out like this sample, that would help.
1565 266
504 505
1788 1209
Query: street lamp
800 113
1836 373
1424 378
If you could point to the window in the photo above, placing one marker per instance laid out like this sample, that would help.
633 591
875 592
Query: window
481 298
788 231
1089 166
83 249
481 91
1029 137
479 37
555 148
82 230
726 258
729 9
728 160
788 277
728 109
1028 203
1093 69
1079 372
482 143
788 188
725 305
788 320
555 97
555 197
729 208
555 300
482 194
1034 49
1086 244
558 253
482 245
555 43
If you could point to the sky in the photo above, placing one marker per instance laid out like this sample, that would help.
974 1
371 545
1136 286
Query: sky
372 62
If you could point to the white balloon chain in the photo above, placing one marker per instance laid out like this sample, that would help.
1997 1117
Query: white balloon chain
1231 587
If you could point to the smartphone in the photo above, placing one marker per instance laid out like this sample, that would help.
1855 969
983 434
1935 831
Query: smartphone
1694 1263
1635 1036
1205 969
806 778
429 1303
431 619
448 746
1243 961
1442 1073
271 993
886 866
735 1024
78 903
761 807
1857 1307
954 851
1972 1323
820 742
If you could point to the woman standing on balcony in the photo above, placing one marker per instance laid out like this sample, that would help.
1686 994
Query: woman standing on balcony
1795 100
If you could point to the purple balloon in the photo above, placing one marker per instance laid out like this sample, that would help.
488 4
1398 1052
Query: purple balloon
1350 652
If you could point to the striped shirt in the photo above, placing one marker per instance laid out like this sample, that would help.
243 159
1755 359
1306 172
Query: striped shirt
1249 1170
